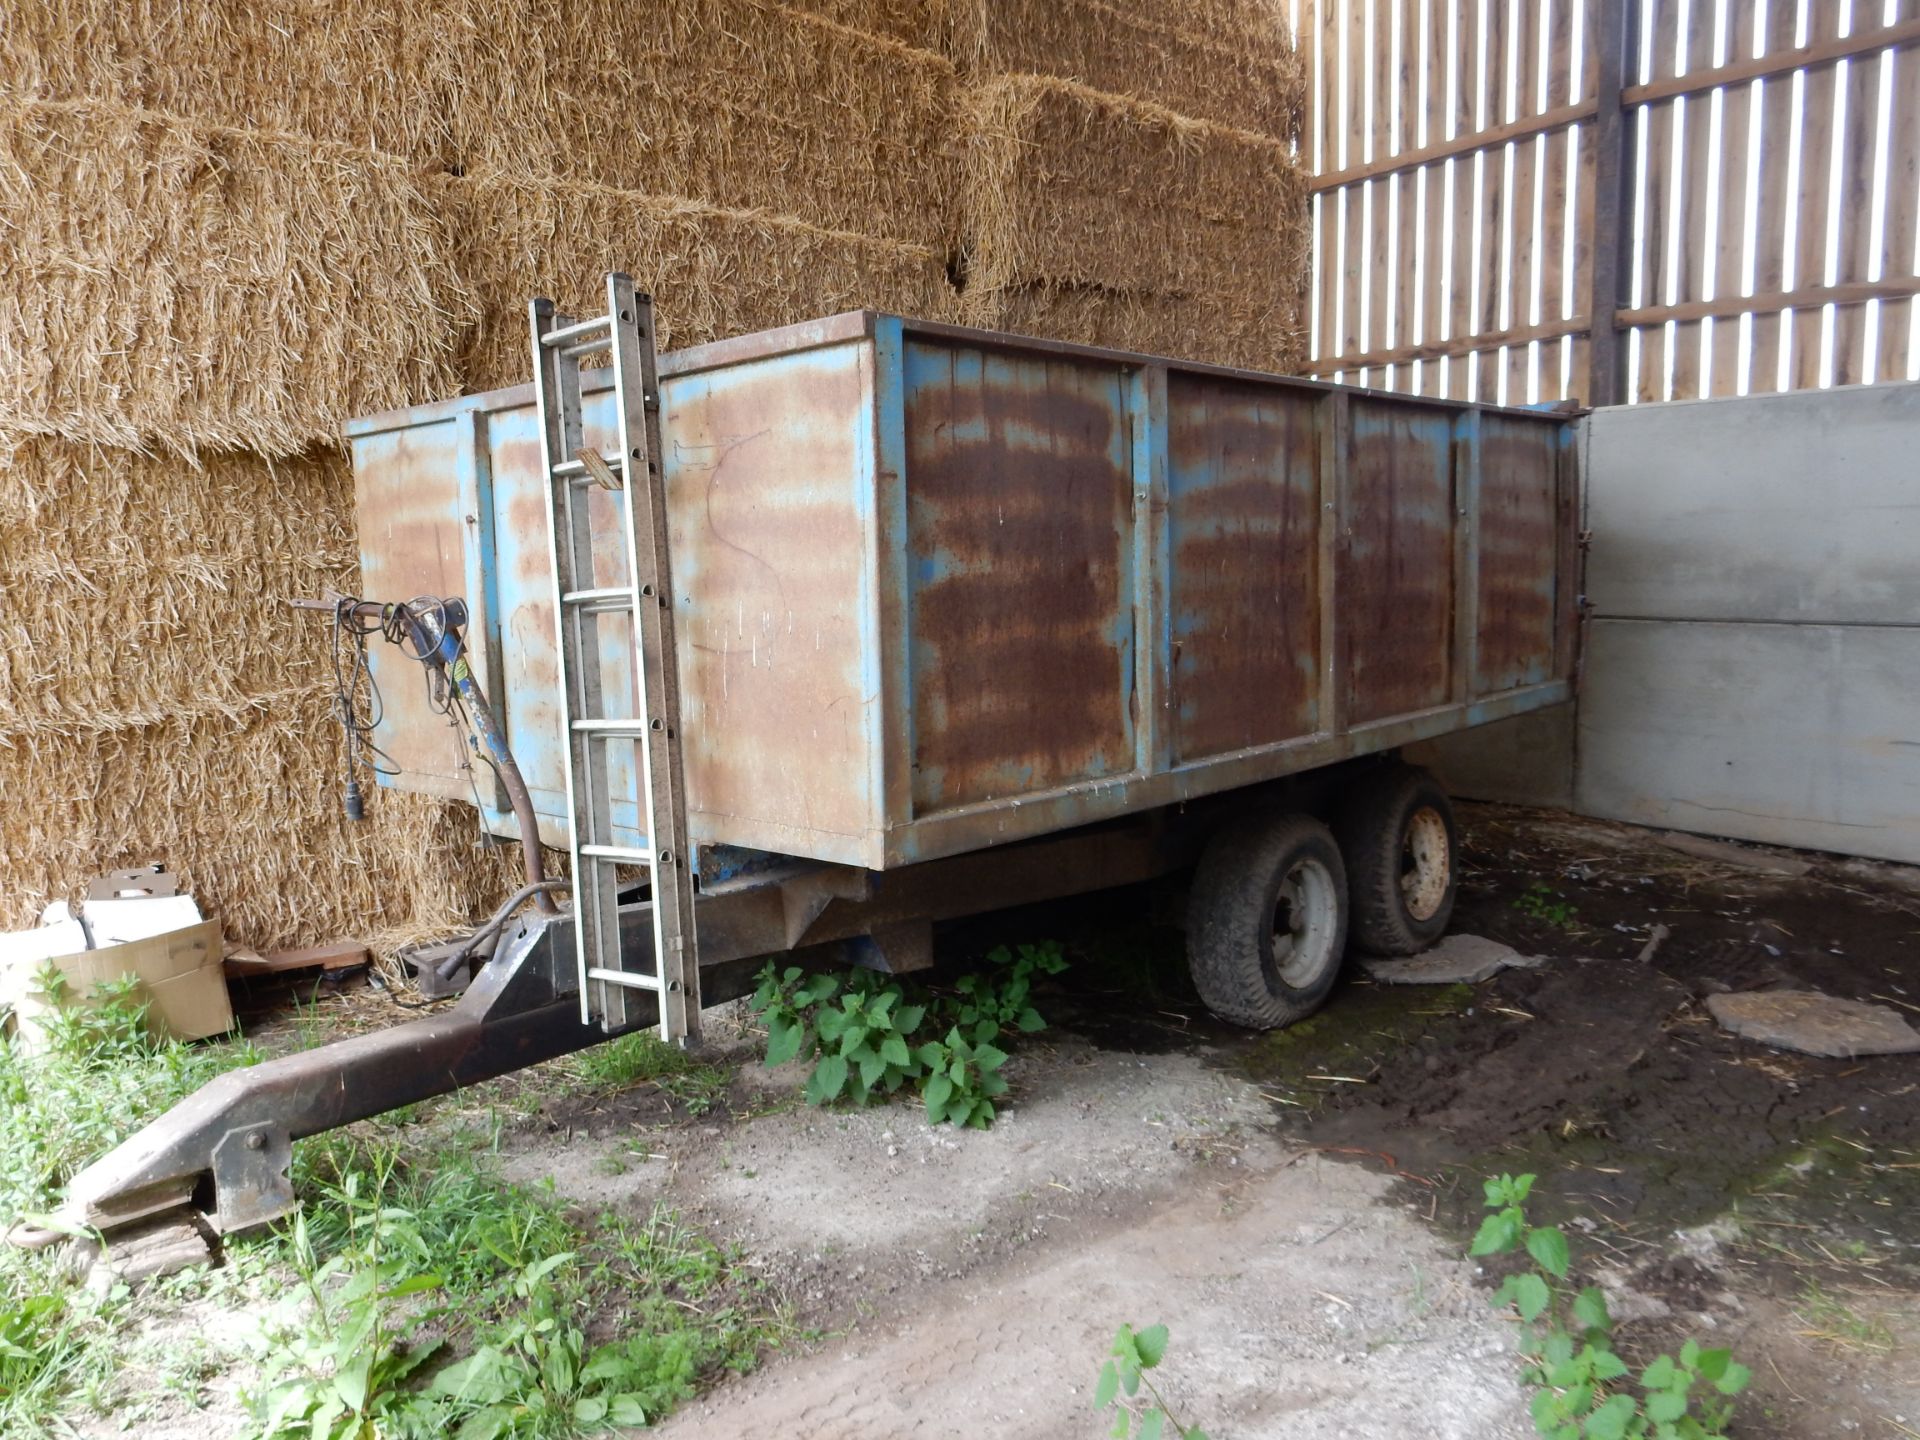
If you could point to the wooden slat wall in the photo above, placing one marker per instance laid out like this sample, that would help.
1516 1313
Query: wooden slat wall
1767 236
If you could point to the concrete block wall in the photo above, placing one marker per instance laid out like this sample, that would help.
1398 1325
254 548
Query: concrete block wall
1752 656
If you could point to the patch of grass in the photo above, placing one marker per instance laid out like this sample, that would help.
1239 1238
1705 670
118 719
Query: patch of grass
437 1299
644 1058
1829 1318
418 1293
99 1076
1543 902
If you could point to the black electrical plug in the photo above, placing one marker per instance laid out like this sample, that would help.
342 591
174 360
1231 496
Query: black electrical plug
355 806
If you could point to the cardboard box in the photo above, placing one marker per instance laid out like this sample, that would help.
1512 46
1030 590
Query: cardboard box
179 972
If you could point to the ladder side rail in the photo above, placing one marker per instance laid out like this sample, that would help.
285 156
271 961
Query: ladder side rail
655 658
577 653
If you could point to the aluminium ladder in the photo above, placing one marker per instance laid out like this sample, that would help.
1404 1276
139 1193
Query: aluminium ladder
633 473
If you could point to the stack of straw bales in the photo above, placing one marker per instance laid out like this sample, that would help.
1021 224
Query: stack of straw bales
228 226
1116 221
1219 60
714 271
158 699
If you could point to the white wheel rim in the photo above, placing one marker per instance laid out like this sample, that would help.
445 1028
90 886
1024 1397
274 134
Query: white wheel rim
1426 863
1306 916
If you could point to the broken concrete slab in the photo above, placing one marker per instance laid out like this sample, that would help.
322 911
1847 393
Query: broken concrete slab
1456 960
1814 1024
1728 853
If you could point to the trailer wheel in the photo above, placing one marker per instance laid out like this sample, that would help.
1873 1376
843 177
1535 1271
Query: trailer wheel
1267 921
1397 834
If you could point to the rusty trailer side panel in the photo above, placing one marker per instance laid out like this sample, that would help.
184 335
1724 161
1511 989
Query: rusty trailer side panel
1019 494
940 589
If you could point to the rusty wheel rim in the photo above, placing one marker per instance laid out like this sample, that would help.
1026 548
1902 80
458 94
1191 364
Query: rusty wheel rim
1426 863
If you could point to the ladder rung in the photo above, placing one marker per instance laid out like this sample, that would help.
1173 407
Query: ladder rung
628 978
600 602
565 334
615 729
586 348
576 470
626 854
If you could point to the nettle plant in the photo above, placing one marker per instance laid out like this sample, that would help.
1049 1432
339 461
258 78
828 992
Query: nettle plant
1582 1389
1134 1353
868 1040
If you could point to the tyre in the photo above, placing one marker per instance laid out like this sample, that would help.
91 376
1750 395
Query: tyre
1397 836
1267 921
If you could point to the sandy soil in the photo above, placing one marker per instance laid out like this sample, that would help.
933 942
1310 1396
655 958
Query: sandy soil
971 1281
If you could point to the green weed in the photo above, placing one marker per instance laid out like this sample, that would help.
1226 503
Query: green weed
1134 1353
98 1076
1581 1388
644 1058
869 1037
1829 1318
1543 902
406 1266
422 1295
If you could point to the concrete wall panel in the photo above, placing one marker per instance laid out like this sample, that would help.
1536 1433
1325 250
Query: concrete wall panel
1798 507
1805 735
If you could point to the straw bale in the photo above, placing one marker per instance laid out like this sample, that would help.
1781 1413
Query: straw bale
713 272
245 810
1071 187
344 73
1229 61
1183 327
187 285
744 104
142 586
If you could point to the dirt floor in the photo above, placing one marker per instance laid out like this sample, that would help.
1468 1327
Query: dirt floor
970 1282
1294 1206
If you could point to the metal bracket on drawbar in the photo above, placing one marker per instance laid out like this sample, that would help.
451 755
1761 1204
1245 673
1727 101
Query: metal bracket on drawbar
252 1177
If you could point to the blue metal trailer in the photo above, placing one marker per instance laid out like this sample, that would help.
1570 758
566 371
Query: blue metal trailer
965 620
